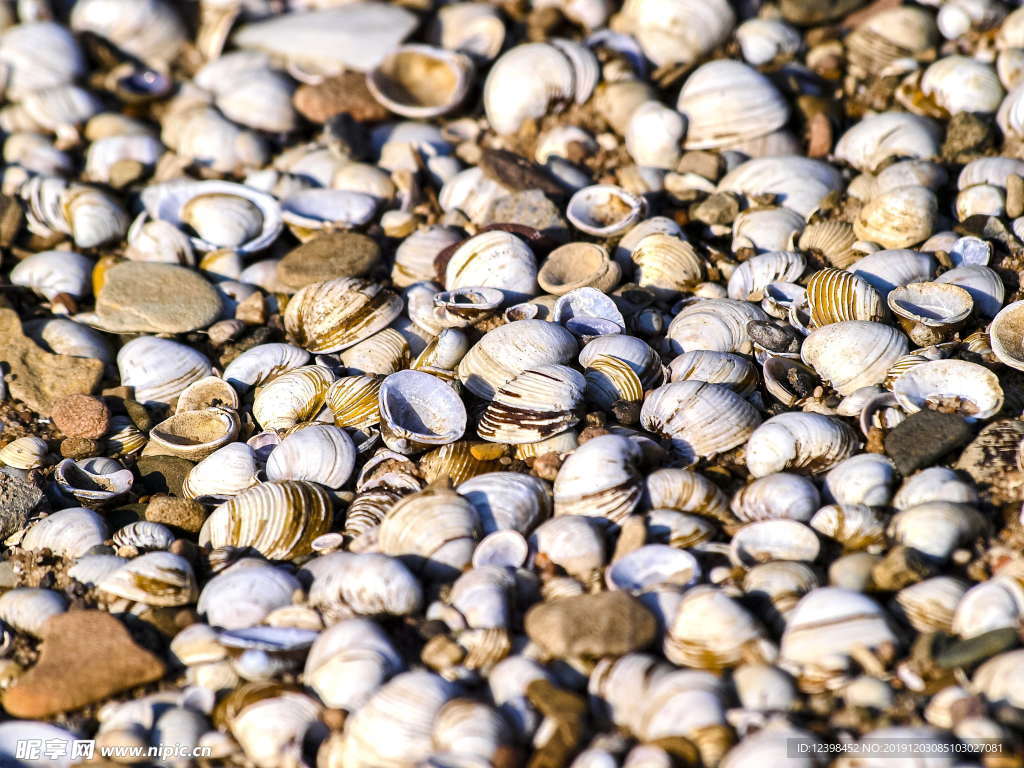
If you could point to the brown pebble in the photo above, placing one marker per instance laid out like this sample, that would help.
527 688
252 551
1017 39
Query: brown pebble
327 256
184 514
1014 195
139 415
632 536
334 718
343 94
85 657
703 163
252 310
81 416
602 624
819 135
79 448
546 467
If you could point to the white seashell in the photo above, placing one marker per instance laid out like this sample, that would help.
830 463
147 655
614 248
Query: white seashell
962 84
700 419
666 265
855 526
766 229
27 608
319 453
654 136
56 110
507 500
808 442
798 183
936 528
854 353
780 495
27 70
482 596
982 283
510 349
887 269
682 31
719 325
93 217
367 583
473 28
66 337
194 435
155 578
710 630
335 314
471 193
536 404
245 593
209 392
49 273
726 102
1005 335
278 519
898 218
552 79
934 484
685 491
992 604
149 29
765 40
24 453
505 548
142 536
651 566
310 210
772 540
599 479
419 410
750 280
262 363
876 138
91 569
224 473
604 210
349 661
980 200
68 533
866 478
494 259
270 730
929 605
733 371
971 389
419 81
414 257
94 481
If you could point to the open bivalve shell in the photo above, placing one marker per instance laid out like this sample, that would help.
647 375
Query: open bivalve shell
93 482
418 411
536 404
604 210
955 386
1006 334
420 81
194 435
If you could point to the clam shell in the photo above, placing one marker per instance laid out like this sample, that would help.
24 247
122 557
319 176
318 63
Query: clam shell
159 369
226 472
600 479
685 491
292 397
418 410
604 210
420 81
539 402
24 453
27 608
335 314
719 325
244 594
156 578
807 442
854 353
319 453
876 138
510 349
1006 335
576 265
349 661
263 362
750 280
68 533
709 630
354 401
772 540
507 500
194 435
666 265
525 83
780 495
970 389
835 295
94 481
651 566
278 519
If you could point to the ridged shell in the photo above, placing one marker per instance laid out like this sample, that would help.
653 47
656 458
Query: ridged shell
353 401
335 314
159 369
349 661
666 265
68 533
156 578
685 491
710 630
194 435
599 479
732 370
226 472
808 442
319 453
292 397
539 402
549 79
969 389
369 584
780 495
494 259
507 500
262 363
854 353
876 138
766 541
749 281
24 453
280 520
418 410
719 325
835 295
700 419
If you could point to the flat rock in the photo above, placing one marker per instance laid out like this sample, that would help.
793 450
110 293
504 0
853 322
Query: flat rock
163 474
36 377
330 255
532 209
85 657
344 94
144 297
81 416
923 437
603 624
17 501
516 172
184 514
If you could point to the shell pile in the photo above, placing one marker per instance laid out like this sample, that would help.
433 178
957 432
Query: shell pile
554 383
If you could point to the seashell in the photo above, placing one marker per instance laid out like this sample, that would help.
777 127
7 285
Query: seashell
510 349
472 28
24 453
271 728
822 630
50 273
980 200
604 210
69 533
335 314
494 259
225 473
873 140
278 519
578 265
666 265
262 363
599 479
898 218
929 605
466 306
158 370
27 608
623 251
654 135
681 32
684 411
93 217
155 578
1005 335
777 371
309 211
369 584
27 71
149 30
936 528
855 526
318 453
505 548
418 410
194 435
866 478
354 401
403 709
685 491
984 285
968 388
853 353
726 102
772 540
633 351
613 386
765 40
990 605
507 500
710 630
749 281
94 481
222 214
91 569
798 183
651 566
59 109
766 229
718 325
588 313
103 154
210 392
481 595
962 84
472 194
420 81
66 337
572 542
891 35
539 402
553 78
244 594
835 295
777 496
292 397
433 531
808 442
934 484
349 661
886 270
142 536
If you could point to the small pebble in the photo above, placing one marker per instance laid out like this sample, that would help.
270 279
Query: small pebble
185 514
774 338
81 416
342 94
972 650
327 256
592 626
79 447
531 208
923 437
18 500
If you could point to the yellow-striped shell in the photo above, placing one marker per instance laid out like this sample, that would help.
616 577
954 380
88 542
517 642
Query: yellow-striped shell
461 460
666 265
835 295
354 401
24 453
611 380
278 519
833 239
901 366
333 315
295 396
